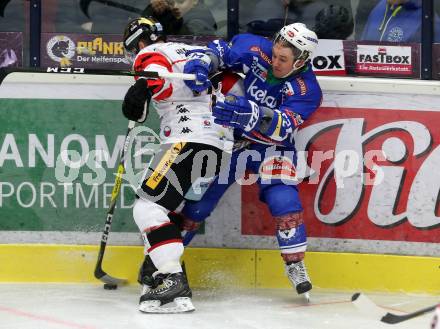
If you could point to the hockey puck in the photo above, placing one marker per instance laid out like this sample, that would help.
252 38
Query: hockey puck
110 286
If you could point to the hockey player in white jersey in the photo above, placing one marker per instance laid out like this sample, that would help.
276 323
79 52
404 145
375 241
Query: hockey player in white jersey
189 141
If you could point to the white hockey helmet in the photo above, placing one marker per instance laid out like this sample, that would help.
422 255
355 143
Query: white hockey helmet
300 37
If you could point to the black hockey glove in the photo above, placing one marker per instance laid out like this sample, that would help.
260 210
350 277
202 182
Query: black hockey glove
136 101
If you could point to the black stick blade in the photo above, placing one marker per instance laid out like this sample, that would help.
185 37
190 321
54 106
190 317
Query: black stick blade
104 277
391 318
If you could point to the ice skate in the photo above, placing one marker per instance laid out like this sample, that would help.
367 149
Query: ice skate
169 294
145 276
297 274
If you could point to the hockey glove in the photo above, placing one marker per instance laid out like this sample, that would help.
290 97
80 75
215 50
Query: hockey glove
238 112
200 65
136 101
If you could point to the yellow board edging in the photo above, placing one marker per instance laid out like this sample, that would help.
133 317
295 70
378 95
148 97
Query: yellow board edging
212 267
64 263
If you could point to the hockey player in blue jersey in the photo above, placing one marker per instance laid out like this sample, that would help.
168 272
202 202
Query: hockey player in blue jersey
280 93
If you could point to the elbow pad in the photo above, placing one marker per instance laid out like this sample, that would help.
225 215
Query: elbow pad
217 49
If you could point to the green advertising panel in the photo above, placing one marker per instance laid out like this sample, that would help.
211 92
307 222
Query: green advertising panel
57 164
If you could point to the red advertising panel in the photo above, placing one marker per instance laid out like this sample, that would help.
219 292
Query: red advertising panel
11 49
393 191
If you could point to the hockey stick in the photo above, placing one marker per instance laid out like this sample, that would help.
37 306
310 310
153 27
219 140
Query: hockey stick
286 14
365 305
395 318
81 70
99 272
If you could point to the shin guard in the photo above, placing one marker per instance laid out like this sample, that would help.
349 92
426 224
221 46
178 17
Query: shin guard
291 236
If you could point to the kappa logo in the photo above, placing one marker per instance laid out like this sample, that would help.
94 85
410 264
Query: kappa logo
186 130
183 118
181 109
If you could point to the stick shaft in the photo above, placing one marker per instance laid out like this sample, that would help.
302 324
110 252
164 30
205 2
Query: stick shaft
81 70
99 272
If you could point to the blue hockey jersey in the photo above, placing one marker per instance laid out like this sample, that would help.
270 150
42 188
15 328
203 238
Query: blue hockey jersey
292 99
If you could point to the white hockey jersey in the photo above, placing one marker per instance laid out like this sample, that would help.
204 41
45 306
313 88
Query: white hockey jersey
184 116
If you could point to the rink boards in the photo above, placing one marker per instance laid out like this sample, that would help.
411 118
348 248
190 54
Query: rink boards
220 268
349 230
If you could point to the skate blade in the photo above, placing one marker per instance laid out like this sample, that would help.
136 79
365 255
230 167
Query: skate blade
306 296
180 305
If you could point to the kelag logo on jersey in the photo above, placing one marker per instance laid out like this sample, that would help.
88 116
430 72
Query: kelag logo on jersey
384 59
329 58
261 96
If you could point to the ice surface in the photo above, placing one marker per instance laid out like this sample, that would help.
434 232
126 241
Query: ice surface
48 306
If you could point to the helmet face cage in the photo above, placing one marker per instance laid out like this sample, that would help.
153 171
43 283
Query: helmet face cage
147 29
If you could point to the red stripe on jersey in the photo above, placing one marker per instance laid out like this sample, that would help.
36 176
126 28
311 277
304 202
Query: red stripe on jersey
164 94
152 228
156 85
228 81
263 138
180 60
164 243
145 59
